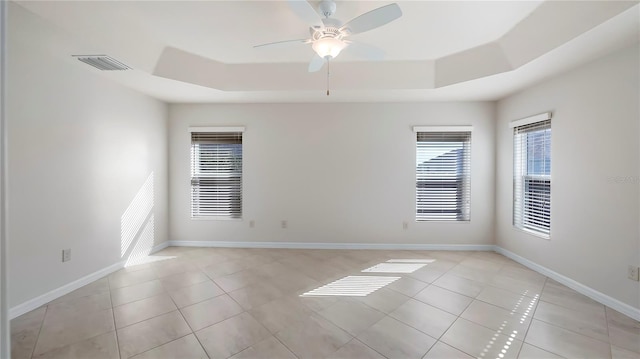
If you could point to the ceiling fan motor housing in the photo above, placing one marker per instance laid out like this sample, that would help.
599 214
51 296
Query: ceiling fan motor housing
332 32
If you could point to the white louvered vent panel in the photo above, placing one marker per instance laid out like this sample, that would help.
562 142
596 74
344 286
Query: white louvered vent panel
102 62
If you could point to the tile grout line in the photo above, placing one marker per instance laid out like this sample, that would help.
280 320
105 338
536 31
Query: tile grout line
444 310
526 332
183 318
33 351
141 299
200 301
134 284
353 337
188 325
170 341
459 316
471 321
470 354
530 323
407 324
169 295
606 318
446 330
156 316
283 344
113 316
543 349
76 342
570 330
178 309
366 345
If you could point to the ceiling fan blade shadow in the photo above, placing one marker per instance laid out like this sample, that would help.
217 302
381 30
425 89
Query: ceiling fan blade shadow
374 18
306 12
316 63
281 44
365 51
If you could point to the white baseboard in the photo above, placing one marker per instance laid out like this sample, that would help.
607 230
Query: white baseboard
599 297
302 245
160 247
41 300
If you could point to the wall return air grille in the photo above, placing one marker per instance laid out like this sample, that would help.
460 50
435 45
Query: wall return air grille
102 62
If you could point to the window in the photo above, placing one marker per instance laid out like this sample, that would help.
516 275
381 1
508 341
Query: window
443 174
216 173
532 177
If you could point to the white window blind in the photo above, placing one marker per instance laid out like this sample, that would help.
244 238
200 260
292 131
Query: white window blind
532 177
216 174
443 176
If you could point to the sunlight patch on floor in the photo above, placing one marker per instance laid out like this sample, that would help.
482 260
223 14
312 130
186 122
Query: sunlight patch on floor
399 266
411 261
352 286
394 268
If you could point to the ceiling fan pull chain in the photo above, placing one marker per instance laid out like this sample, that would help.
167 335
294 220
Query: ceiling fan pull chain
328 71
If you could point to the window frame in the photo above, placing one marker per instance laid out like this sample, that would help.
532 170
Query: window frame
463 185
238 176
522 218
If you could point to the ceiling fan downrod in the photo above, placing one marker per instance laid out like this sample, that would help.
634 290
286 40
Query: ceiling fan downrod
328 72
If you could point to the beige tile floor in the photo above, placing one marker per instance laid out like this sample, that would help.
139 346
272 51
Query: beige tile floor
247 303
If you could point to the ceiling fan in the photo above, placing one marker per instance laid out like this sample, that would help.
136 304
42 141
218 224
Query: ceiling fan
329 36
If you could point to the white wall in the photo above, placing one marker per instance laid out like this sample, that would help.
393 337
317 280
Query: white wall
80 148
5 341
336 172
595 171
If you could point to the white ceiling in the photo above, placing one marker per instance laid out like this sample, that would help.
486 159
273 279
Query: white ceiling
227 31
474 50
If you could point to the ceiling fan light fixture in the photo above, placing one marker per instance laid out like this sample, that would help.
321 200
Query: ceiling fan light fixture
328 47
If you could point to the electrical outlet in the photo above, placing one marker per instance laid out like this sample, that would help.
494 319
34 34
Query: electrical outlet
283 224
66 255
633 273
405 225
252 223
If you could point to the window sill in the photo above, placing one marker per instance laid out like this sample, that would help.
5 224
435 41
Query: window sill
437 221
216 219
533 233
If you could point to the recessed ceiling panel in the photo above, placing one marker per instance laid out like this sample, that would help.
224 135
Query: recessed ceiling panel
453 50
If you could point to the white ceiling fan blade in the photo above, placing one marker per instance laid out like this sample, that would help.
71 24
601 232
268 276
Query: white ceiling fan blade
280 44
316 63
306 12
374 18
365 51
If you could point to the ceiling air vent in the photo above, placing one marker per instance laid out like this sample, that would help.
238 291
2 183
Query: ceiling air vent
102 62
